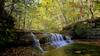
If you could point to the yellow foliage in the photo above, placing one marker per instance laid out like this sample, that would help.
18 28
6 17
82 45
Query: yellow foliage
50 15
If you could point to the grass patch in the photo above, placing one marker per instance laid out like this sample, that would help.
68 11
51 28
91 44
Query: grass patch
76 50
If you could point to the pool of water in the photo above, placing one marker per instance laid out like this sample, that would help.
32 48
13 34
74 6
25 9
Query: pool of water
76 50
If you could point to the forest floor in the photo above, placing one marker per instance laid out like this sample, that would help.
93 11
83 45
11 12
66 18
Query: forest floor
17 51
80 46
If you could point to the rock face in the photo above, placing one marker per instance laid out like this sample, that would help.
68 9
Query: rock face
27 37
87 29
23 38
95 31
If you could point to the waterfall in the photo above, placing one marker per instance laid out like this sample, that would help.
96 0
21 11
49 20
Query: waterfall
57 40
68 40
36 43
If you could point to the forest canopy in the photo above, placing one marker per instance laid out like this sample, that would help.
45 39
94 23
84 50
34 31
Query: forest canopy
50 15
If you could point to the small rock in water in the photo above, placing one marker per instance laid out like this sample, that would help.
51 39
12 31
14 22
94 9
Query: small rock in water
78 52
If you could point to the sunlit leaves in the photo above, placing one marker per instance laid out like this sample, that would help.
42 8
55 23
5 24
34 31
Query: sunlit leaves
97 8
50 15
73 4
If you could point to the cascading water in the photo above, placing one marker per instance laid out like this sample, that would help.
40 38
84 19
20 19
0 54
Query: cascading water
54 39
36 43
57 40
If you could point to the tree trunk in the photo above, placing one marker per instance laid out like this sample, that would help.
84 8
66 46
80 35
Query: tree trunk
81 9
1 8
90 6
6 20
91 9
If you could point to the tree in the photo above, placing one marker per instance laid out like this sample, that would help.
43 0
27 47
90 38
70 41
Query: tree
90 6
6 25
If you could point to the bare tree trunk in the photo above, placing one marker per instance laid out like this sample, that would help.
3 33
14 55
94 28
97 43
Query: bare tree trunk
81 9
91 9
2 8
90 6
2 14
61 6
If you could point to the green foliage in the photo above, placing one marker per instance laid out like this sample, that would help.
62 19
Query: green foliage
49 15
7 37
97 9
82 28
6 26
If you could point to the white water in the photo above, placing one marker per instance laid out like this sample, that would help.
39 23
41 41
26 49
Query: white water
36 43
58 41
